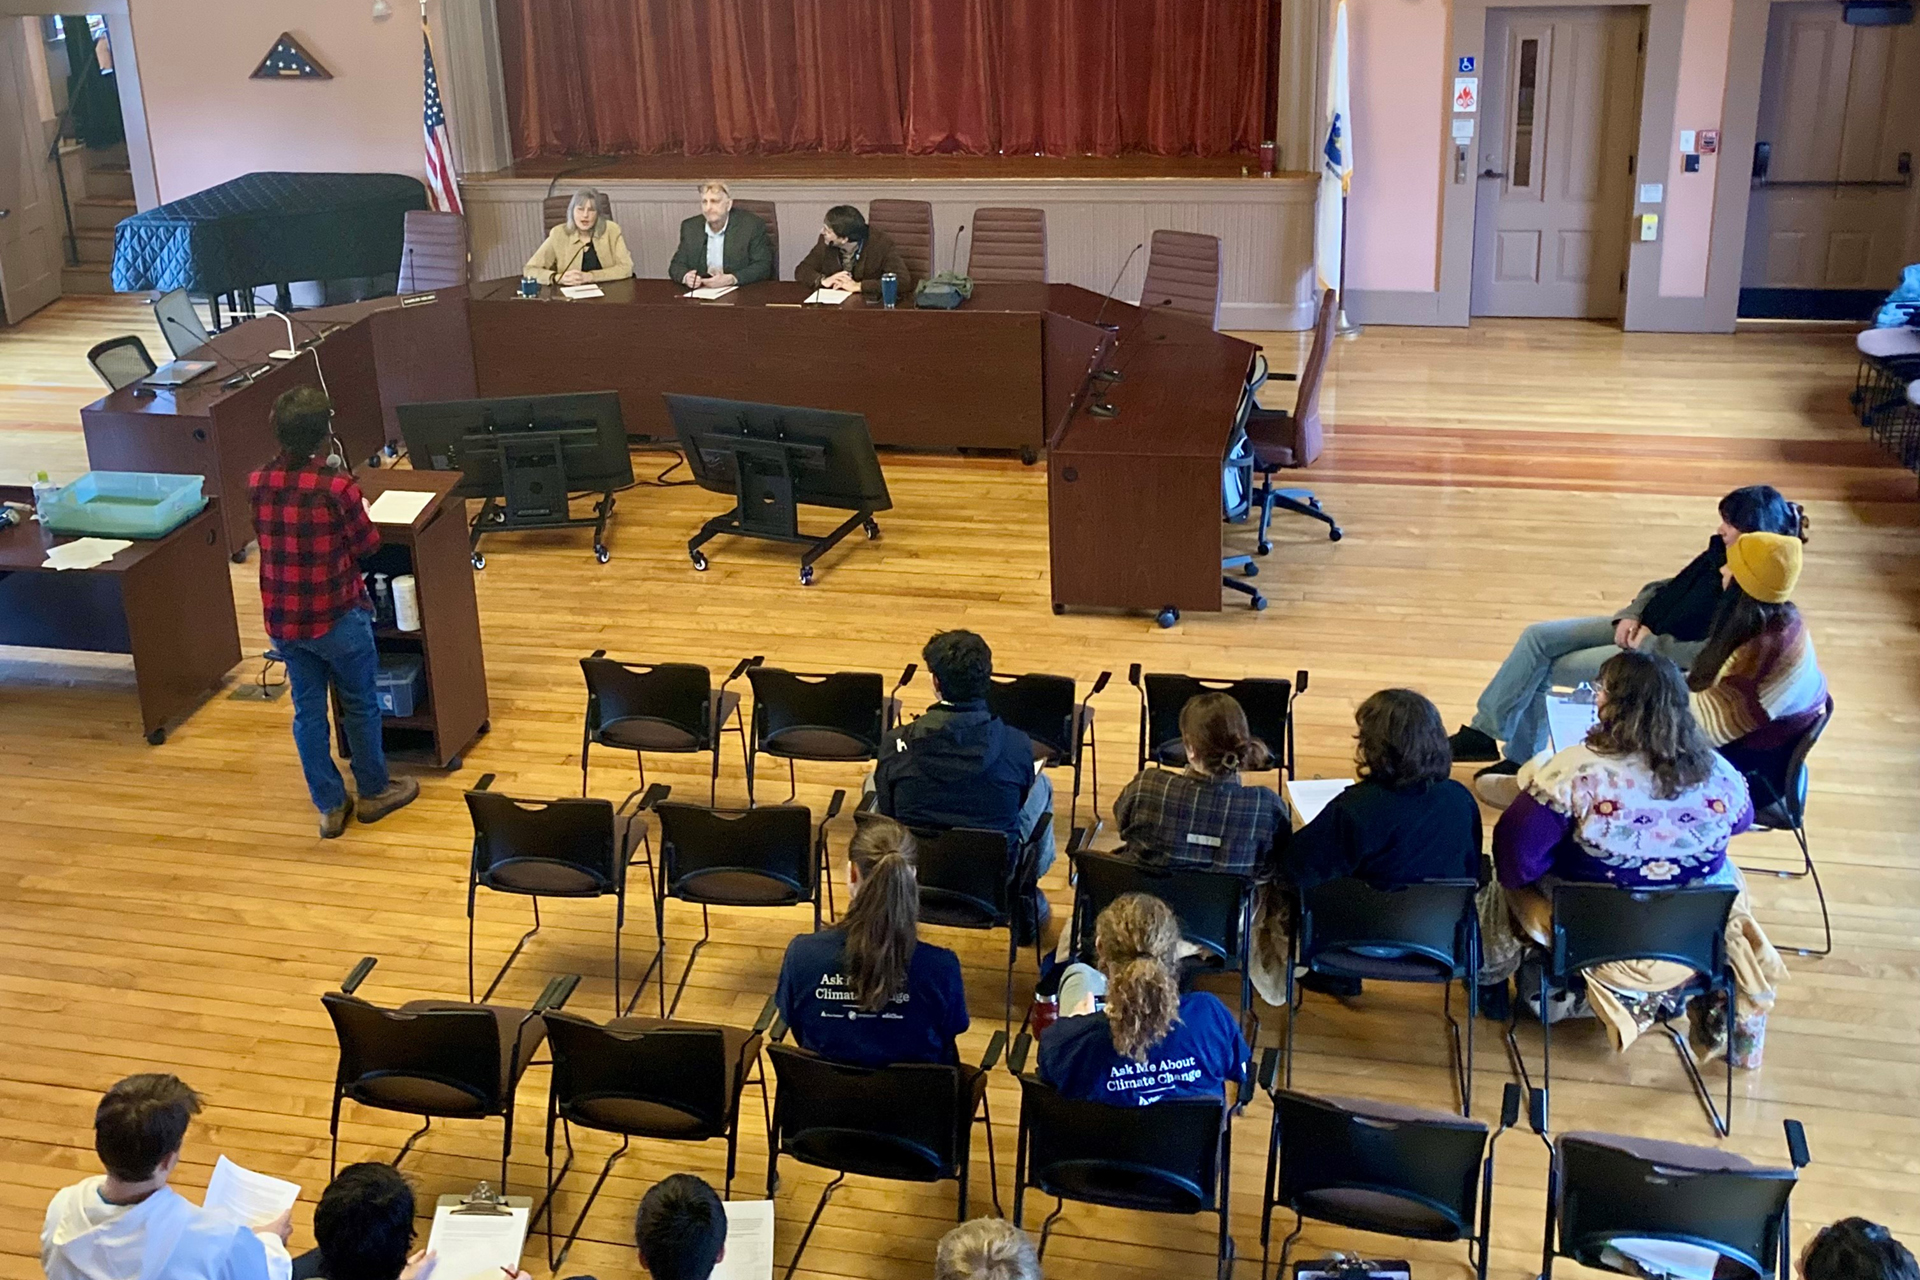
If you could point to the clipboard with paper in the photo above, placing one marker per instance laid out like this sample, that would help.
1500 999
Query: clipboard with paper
475 1237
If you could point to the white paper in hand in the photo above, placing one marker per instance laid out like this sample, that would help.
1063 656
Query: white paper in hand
252 1198
475 1246
1568 721
1308 796
749 1241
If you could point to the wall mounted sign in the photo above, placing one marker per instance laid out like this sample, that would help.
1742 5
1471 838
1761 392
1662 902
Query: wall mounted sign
289 60
1466 94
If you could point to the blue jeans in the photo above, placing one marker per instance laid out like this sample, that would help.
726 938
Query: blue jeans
1039 804
346 659
1567 652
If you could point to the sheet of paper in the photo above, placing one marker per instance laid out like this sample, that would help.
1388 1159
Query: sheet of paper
252 1198
830 297
749 1241
707 295
582 291
398 506
85 553
474 1246
1308 796
1568 721
1667 1258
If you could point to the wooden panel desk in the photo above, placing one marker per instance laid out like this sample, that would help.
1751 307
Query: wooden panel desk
168 603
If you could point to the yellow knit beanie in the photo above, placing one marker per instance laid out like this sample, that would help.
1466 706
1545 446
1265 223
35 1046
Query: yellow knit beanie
1766 565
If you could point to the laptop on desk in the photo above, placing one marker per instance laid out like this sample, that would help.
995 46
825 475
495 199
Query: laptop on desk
177 373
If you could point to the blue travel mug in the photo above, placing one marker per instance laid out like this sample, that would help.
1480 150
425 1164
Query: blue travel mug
889 290
529 287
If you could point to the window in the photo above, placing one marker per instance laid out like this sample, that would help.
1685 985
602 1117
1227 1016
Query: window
1522 166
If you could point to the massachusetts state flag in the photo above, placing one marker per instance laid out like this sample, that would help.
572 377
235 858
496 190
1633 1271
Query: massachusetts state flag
443 185
1336 161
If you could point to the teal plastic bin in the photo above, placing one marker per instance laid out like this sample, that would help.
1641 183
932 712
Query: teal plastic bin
124 504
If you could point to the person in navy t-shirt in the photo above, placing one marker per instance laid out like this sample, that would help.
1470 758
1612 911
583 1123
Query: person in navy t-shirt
1150 1042
869 992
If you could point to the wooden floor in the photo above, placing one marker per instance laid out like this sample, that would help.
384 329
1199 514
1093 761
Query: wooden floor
172 909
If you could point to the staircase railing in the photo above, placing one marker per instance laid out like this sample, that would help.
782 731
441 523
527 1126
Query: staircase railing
81 82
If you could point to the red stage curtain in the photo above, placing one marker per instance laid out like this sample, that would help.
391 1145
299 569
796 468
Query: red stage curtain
979 77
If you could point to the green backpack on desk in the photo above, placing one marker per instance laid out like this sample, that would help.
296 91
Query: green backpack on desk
947 290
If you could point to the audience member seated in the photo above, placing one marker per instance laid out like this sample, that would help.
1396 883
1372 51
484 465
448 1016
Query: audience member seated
959 765
987 1249
585 249
1645 802
1203 815
867 991
129 1224
719 246
681 1229
1756 684
1670 617
363 1229
1127 1036
1856 1249
852 256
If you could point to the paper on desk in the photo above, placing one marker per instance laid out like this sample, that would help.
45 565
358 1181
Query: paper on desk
749 1241
1568 721
475 1246
829 296
85 553
252 1198
707 295
582 291
398 506
1308 796
1665 1257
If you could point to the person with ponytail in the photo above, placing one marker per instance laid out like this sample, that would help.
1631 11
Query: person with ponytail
1127 1035
868 992
1203 815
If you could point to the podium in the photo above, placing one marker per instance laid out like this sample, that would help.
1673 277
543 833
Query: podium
433 548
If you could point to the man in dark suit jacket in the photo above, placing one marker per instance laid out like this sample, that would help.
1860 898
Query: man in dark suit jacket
721 247
853 256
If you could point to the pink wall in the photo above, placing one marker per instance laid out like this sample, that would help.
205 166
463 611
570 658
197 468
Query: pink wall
1704 42
1397 56
208 122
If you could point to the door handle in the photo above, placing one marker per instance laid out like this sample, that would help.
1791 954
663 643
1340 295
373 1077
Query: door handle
5 212
1488 173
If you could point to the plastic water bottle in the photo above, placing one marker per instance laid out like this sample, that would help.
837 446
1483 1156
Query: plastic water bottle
44 492
382 601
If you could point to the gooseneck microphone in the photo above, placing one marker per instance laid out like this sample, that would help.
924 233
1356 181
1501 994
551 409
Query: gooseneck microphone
1116 284
243 375
955 260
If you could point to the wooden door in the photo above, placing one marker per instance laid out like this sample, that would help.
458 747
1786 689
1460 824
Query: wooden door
1560 114
1833 210
30 217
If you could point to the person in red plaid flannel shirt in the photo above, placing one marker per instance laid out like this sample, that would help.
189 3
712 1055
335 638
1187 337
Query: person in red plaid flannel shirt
314 532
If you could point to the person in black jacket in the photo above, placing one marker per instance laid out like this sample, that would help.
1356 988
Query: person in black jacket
959 765
721 245
1669 617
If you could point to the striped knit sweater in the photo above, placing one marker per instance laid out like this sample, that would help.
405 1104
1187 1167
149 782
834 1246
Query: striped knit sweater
1768 691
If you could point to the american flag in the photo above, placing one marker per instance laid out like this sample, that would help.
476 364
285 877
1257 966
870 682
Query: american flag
443 187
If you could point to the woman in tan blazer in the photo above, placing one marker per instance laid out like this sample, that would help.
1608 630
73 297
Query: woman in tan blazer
584 249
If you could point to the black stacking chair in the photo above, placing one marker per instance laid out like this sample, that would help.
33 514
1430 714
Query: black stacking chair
1043 708
1267 702
911 1122
1597 923
1215 908
1409 933
1175 1156
831 716
973 879
1605 1190
1379 1166
772 856
120 362
646 1078
669 707
434 1058
1780 804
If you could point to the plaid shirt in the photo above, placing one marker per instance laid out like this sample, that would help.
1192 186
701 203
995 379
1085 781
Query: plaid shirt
1184 819
312 531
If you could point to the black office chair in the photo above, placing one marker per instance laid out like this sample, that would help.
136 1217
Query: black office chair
1597 923
829 716
1236 489
669 707
1061 729
646 1078
1408 933
566 848
1175 1156
772 856
1780 804
1369 1165
1605 1191
120 362
911 1122
1215 908
434 1058
1268 703
179 322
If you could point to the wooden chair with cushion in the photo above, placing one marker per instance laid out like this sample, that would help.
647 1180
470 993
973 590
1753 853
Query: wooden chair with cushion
1183 274
434 254
769 213
910 224
1009 246
1284 440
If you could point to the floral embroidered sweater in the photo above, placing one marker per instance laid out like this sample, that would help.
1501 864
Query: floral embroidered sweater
1599 819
